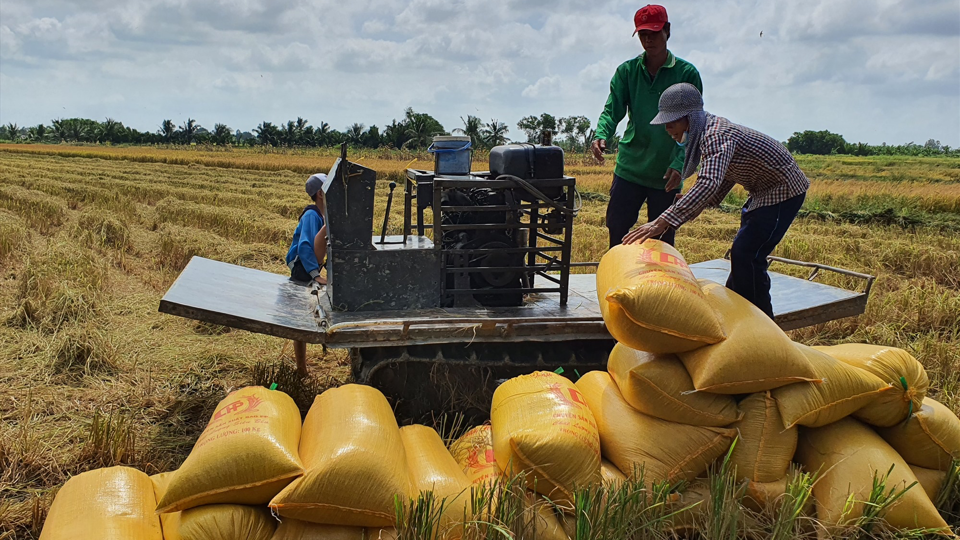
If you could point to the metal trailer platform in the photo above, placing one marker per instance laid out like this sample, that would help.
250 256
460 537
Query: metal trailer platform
272 304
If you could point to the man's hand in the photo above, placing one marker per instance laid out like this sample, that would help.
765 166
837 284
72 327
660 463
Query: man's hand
648 230
321 280
599 146
673 179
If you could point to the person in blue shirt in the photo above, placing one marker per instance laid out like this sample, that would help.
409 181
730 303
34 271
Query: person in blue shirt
309 246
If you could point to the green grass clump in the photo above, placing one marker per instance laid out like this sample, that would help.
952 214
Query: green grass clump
59 284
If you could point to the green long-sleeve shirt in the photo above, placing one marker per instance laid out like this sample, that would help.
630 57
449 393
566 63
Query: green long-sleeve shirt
645 151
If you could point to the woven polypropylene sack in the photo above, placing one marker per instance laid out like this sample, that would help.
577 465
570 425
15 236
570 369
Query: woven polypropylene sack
294 529
764 497
246 454
894 366
849 455
170 521
659 385
474 453
844 390
650 299
765 448
632 440
610 475
433 469
756 356
227 522
116 503
541 426
354 459
931 480
542 522
930 438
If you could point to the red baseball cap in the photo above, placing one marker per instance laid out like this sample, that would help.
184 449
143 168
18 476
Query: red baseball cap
650 17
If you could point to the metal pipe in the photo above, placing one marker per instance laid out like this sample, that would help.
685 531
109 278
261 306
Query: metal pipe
386 215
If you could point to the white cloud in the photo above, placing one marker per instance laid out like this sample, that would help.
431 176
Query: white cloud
851 66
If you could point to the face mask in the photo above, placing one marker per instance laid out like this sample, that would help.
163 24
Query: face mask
683 140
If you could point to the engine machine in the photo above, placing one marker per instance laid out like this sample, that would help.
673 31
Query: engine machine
469 239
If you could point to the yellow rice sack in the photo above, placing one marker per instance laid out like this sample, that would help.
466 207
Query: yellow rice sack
687 510
659 385
474 453
354 459
894 366
115 503
246 454
542 522
756 356
848 454
650 300
433 469
170 522
227 522
765 448
542 426
610 475
765 496
844 390
294 529
632 440
930 438
931 480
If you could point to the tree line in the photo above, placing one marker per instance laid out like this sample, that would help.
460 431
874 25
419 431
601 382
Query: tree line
414 131
826 143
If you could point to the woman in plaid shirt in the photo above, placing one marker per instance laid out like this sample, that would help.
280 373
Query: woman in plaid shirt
730 154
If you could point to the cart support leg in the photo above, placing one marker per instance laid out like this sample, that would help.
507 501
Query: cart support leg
300 353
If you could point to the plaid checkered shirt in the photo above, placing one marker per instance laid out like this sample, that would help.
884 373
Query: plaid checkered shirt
734 154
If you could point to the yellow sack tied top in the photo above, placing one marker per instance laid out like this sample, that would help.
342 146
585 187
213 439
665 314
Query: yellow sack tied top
765 448
354 459
170 522
844 390
474 453
632 440
651 302
116 503
659 385
894 366
432 468
543 427
930 438
246 454
227 522
756 356
849 455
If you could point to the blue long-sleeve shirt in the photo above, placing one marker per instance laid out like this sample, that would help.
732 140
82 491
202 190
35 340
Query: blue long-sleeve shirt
301 248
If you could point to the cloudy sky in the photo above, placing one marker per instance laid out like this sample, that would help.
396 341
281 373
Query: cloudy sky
873 70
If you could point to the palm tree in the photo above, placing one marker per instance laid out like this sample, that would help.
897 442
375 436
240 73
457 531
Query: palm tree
472 127
108 130
268 134
494 133
58 128
420 130
13 131
301 127
354 134
38 133
395 134
167 130
221 134
188 129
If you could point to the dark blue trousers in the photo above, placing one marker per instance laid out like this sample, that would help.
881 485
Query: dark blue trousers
623 210
760 231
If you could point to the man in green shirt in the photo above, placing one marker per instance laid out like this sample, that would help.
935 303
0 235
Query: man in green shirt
648 159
